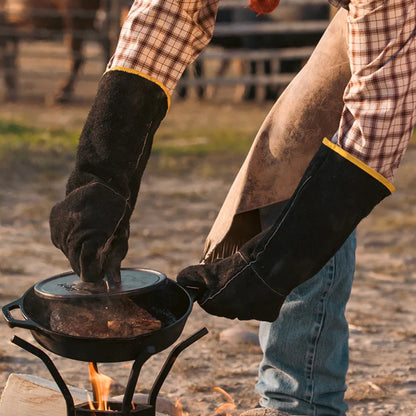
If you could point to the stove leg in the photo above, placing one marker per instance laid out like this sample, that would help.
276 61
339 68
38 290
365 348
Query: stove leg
70 407
169 363
134 375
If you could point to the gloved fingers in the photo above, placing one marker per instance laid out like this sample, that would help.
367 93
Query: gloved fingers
114 251
241 295
59 227
193 282
96 263
91 227
113 255
113 275
90 263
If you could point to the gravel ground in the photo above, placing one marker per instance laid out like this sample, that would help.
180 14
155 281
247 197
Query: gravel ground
168 228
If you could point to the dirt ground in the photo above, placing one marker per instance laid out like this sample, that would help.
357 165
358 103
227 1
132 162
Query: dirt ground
173 216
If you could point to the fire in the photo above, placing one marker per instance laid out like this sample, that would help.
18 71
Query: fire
101 387
179 408
223 410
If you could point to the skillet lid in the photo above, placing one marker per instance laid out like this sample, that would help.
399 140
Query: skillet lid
70 286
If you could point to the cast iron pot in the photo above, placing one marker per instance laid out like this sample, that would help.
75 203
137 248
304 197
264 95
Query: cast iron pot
165 300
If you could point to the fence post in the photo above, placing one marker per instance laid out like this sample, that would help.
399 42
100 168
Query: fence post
115 22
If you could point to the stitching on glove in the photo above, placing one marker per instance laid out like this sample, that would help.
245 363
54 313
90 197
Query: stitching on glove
255 272
98 183
109 240
236 275
111 237
284 217
144 145
221 289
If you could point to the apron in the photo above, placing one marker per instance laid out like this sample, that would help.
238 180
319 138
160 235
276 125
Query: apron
307 111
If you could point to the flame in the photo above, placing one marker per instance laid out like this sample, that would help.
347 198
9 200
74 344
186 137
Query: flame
179 408
101 388
225 408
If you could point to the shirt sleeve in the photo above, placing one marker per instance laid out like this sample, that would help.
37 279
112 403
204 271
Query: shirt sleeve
380 99
161 37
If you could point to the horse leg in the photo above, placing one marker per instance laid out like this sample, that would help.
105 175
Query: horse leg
106 48
103 26
199 72
241 70
77 60
212 90
8 50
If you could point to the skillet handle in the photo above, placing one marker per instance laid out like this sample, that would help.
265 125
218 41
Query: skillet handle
12 322
193 292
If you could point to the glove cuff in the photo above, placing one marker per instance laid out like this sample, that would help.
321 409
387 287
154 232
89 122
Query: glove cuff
117 137
336 192
145 76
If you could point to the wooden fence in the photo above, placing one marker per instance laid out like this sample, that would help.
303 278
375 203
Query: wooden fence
260 67
44 58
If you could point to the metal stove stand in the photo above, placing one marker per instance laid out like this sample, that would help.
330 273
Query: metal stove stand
125 408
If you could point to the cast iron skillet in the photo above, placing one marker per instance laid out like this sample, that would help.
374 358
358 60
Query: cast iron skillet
168 302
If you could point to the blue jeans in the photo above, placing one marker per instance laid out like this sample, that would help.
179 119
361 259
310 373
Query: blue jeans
305 350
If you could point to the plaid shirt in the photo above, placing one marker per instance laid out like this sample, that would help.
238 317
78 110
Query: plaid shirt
161 37
380 99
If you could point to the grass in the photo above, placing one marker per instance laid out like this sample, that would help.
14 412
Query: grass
34 149
208 150
30 148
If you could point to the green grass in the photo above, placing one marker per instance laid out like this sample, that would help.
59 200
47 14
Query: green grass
215 152
210 151
31 148
203 143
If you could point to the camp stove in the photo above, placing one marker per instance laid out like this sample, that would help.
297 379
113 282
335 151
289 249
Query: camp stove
126 407
167 301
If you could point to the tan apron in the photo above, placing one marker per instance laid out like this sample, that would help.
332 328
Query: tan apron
308 110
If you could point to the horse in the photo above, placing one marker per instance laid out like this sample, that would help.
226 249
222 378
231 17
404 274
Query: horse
237 14
51 19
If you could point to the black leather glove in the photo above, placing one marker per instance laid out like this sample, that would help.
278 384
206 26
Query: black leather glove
91 225
334 194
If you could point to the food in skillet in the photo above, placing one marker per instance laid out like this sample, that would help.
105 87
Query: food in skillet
118 318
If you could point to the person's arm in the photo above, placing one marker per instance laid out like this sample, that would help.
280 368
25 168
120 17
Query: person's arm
158 40
380 99
344 181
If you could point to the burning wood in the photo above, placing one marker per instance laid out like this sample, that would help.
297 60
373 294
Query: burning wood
118 318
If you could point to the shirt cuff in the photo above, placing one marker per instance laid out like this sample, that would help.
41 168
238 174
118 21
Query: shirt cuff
160 38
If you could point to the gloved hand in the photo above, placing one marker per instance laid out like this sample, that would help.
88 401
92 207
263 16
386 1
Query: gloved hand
229 288
91 225
334 194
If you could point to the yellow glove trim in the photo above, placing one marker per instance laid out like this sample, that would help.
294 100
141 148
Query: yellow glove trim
360 164
141 74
